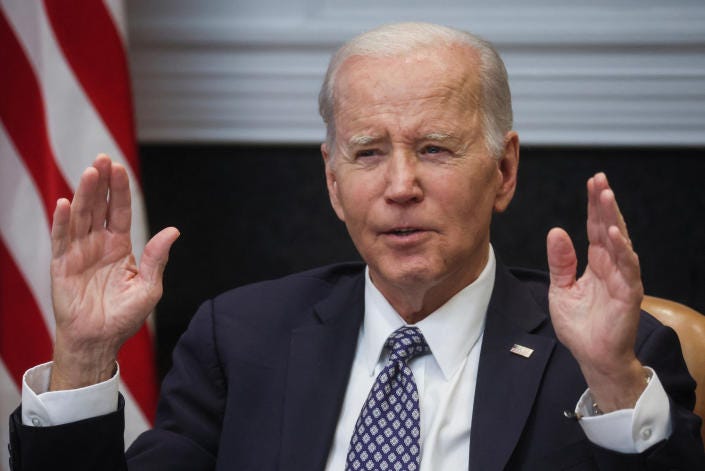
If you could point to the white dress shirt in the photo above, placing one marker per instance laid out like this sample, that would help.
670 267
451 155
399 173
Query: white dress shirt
445 379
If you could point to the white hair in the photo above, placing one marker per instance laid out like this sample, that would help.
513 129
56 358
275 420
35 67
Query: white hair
404 38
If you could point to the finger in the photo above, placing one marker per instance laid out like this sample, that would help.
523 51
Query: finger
603 211
156 254
119 211
82 203
60 227
625 258
100 204
562 261
609 208
611 219
611 214
593 218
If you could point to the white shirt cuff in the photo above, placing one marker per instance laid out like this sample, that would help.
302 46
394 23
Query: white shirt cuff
629 430
43 408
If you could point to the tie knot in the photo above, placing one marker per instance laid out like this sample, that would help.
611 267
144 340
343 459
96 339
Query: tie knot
406 343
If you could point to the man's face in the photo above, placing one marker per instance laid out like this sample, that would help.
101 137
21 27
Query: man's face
410 175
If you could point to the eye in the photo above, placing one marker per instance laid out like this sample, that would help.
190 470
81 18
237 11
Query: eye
366 153
433 150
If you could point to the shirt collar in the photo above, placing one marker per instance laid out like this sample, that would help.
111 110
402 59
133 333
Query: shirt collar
465 312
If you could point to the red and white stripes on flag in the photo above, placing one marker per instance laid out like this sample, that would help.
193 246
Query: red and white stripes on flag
64 98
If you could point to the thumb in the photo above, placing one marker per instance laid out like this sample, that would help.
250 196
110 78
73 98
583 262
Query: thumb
562 262
156 254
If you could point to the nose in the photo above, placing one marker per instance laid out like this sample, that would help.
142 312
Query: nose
403 186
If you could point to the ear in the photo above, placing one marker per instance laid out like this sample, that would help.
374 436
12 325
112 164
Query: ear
507 166
332 182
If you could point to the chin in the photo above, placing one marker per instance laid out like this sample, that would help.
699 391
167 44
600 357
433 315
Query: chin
414 274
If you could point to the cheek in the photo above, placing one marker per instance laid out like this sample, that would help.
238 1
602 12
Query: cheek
468 202
358 191
351 201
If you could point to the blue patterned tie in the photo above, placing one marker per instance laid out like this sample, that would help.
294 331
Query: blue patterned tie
386 435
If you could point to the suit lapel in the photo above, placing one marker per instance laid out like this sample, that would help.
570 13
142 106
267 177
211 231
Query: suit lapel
321 356
320 360
507 383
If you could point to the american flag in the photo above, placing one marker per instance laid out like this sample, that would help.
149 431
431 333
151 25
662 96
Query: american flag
64 98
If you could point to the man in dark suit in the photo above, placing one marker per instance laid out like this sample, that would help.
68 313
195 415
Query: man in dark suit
419 154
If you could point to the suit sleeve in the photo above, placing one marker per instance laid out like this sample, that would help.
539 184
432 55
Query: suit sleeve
683 450
187 430
89 444
185 435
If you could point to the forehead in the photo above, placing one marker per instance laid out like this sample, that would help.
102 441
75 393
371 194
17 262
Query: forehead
438 83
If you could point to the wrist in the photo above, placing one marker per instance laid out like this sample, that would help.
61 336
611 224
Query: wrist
81 367
617 389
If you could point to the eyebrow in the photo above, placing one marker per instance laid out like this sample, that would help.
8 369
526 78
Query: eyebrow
437 136
443 138
362 140
365 139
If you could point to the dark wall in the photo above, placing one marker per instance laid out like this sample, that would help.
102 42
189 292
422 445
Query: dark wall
248 213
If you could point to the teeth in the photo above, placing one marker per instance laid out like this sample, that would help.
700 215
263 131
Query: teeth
404 231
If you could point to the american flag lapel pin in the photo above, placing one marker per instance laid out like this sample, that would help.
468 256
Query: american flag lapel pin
521 350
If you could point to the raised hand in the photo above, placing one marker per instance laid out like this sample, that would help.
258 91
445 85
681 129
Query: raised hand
100 296
596 316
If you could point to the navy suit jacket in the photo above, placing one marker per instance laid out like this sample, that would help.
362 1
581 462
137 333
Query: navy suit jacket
260 375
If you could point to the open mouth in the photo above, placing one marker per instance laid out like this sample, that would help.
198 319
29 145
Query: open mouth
404 232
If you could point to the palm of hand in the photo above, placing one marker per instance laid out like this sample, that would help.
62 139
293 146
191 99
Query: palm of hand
594 317
97 290
100 295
